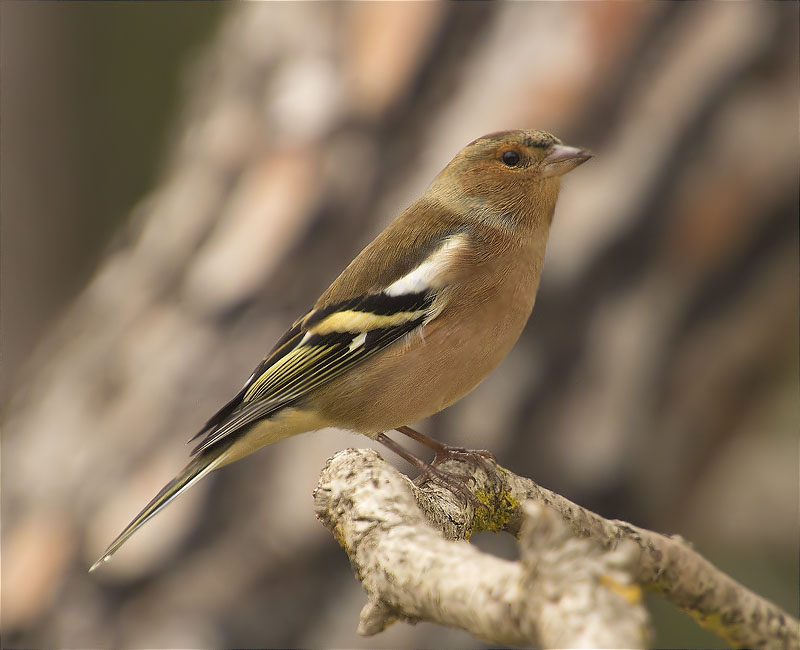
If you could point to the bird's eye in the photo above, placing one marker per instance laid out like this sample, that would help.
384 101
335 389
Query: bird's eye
510 158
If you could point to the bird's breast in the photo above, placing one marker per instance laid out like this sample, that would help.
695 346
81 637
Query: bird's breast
440 362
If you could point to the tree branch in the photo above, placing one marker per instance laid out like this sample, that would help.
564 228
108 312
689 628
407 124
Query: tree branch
565 592
575 584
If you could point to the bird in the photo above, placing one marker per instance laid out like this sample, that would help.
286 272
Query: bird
419 317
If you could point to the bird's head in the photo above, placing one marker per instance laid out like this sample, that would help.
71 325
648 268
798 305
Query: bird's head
511 172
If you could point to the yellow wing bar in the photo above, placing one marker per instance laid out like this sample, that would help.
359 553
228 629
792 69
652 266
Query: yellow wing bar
324 344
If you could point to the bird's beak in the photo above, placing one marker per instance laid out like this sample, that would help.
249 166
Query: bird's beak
563 159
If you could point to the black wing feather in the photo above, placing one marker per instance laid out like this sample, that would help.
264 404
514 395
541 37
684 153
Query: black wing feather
281 348
303 360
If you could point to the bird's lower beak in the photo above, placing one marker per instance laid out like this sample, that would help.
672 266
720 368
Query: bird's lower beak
563 159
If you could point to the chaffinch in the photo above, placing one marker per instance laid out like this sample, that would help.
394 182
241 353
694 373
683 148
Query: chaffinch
416 320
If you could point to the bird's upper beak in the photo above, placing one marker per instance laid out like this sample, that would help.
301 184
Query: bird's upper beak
563 159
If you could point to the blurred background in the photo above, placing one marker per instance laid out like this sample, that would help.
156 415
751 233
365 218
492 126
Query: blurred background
180 181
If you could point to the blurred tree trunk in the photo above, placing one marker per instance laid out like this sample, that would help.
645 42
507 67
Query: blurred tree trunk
662 344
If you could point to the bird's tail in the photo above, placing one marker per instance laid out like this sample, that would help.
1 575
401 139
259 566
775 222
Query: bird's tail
191 474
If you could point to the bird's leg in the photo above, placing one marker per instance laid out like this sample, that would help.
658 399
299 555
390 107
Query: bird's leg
444 452
419 465
456 484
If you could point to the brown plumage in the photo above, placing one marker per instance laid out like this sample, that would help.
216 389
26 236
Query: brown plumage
416 320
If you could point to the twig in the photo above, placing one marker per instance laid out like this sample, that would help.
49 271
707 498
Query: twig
565 592
412 571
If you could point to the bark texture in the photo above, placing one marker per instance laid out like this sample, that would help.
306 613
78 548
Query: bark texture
564 591
576 583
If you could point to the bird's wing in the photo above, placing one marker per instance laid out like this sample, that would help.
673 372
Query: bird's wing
332 339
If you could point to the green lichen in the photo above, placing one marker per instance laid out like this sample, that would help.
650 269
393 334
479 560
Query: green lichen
631 593
497 513
714 623
338 535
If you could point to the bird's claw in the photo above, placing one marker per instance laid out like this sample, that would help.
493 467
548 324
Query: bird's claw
456 483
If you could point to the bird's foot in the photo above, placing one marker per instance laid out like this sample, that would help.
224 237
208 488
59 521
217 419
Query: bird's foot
443 452
446 452
456 483
478 457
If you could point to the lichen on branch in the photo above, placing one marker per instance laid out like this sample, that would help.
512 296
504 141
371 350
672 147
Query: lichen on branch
578 580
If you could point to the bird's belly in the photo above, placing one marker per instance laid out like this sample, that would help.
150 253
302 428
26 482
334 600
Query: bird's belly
413 379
